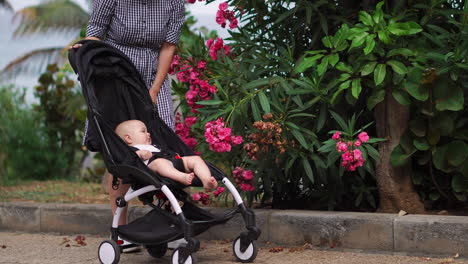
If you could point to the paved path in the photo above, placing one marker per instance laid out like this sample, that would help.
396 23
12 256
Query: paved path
48 249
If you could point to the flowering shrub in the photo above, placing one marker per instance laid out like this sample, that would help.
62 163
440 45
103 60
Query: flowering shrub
216 45
182 128
352 156
205 198
223 14
244 178
219 137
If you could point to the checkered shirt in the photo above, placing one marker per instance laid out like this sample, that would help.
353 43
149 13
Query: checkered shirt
138 28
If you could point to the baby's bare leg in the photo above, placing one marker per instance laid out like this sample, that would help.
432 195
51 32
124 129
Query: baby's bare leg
197 165
165 168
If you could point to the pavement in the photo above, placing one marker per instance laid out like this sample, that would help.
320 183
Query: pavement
440 235
25 248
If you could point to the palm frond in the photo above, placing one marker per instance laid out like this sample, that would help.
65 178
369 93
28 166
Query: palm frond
5 4
33 63
53 15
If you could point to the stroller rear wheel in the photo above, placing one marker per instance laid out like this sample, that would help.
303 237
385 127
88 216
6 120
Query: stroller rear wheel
192 258
157 251
109 252
249 254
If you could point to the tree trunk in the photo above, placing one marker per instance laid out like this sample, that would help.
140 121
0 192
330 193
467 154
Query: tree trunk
395 188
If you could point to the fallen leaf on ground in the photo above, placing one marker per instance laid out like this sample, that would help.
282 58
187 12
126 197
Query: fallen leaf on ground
67 245
3 246
301 248
267 243
424 258
225 250
276 249
402 213
64 240
80 240
456 255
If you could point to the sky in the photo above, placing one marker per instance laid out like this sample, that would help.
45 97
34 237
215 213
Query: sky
11 48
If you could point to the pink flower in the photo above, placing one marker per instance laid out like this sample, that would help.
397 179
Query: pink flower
247 175
337 135
218 191
363 137
233 23
201 65
223 6
357 143
196 196
191 1
220 19
209 43
236 140
190 121
341 146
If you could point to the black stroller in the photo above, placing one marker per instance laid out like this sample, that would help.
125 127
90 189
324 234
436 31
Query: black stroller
115 92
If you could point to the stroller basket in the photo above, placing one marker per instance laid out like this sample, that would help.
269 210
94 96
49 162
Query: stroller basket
115 92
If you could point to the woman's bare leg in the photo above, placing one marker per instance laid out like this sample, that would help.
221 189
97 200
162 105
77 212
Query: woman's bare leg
114 194
198 165
166 169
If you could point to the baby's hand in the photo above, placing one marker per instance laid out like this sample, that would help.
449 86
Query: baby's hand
144 154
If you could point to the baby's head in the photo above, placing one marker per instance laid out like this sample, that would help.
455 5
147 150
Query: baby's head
133 132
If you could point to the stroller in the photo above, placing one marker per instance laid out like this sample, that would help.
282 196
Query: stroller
115 92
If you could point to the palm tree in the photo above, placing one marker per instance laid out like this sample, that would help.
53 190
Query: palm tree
48 17
5 4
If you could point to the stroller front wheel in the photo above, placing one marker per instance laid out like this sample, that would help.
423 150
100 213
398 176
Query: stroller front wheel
248 255
109 252
191 259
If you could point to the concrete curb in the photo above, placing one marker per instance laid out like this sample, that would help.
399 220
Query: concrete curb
431 234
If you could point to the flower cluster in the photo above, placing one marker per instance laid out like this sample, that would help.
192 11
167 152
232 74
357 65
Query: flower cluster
244 178
224 15
204 198
219 137
192 72
182 128
218 192
351 157
201 197
214 45
270 134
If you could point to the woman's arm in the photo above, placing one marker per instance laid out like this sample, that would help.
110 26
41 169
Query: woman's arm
165 58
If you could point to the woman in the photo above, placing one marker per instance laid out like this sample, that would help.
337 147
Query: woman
147 31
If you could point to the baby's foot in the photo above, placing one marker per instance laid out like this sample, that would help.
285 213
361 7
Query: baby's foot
210 184
186 178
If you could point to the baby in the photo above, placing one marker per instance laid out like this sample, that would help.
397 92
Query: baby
166 164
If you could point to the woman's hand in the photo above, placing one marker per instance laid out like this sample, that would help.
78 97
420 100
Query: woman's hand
76 46
154 91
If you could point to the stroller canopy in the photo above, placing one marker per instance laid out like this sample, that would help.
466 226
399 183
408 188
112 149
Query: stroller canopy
115 92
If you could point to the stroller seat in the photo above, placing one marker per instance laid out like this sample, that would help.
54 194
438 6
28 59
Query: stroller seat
115 92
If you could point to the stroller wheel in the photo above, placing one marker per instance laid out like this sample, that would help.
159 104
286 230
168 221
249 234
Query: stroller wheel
157 251
248 255
192 258
109 252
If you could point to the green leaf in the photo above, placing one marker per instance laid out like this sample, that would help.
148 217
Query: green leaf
264 102
358 39
402 29
298 135
399 157
257 83
421 144
344 67
457 153
401 97
448 95
308 169
356 88
327 41
434 196
379 73
376 97
368 68
397 66
418 127
439 160
383 36
210 102
322 67
365 18
333 59
373 153
419 92
401 51
370 44
255 111
459 183
340 121
378 14
332 157
322 117
306 63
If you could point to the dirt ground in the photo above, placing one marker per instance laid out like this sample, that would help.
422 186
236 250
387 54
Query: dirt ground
20 248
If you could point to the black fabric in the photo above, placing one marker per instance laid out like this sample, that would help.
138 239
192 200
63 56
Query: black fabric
160 226
115 92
